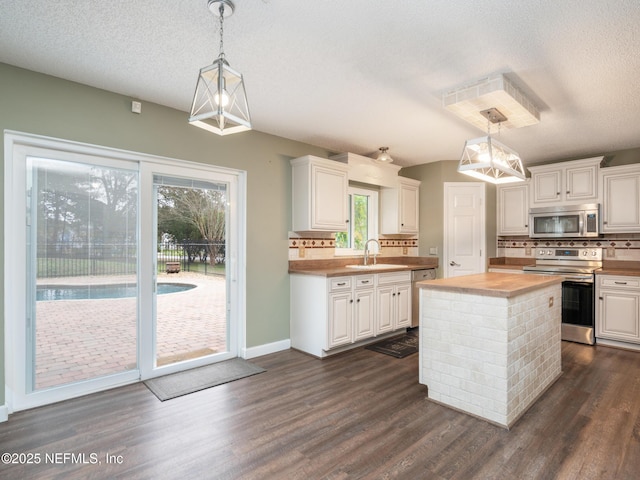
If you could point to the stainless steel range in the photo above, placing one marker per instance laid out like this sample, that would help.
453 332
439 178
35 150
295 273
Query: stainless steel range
577 266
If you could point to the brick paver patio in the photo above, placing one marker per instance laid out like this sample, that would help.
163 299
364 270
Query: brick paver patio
82 339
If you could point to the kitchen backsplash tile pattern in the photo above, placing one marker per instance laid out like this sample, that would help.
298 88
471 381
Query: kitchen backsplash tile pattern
323 246
618 247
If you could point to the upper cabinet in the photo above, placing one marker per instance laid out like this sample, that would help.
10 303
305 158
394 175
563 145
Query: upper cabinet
319 195
399 210
620 199
565 183
513 208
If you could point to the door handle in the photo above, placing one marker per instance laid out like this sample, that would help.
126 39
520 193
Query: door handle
454 264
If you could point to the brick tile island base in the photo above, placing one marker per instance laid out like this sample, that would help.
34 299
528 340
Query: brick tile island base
490 343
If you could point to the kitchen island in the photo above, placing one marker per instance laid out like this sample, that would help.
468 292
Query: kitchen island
490 343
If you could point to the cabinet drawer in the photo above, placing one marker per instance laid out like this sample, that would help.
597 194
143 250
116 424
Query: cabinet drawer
364 281
394 277
619 281
340 283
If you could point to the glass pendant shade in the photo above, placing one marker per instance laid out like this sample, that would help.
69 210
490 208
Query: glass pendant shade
231 115
383 156
491 161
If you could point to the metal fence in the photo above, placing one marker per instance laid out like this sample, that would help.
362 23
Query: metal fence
72 259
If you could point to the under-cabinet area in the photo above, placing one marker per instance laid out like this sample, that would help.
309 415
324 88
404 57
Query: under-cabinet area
331 314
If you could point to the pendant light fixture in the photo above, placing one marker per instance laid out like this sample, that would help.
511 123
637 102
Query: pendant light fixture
383 156
220 100
489 160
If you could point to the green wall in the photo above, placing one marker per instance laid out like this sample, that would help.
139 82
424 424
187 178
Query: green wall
43 105
433 177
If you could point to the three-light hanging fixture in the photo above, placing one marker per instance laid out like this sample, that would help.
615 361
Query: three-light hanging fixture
487 159
220 100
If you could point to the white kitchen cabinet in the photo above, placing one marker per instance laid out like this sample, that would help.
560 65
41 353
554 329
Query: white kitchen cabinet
399 207
618 309
319 195
364 314
513 209
329 315
620 199
574 182
393 301
340 316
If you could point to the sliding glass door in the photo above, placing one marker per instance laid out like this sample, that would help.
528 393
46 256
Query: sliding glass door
82 261
190 295
118 267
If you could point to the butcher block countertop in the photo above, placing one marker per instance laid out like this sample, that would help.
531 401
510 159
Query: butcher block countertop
510 263
338 267
492 284
619 267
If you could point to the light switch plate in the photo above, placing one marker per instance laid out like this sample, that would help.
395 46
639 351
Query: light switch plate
433 250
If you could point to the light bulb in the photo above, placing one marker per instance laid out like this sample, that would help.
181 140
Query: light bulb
225 98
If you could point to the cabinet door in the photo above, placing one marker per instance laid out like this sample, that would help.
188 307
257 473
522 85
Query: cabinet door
581 184
340 326
621 202
513 209
385 309
403 306
408 209
364 314
547 186
329 199
619 316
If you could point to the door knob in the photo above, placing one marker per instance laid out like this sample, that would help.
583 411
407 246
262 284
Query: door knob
454 264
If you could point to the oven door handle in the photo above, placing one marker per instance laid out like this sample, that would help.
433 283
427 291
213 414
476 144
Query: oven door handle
579 278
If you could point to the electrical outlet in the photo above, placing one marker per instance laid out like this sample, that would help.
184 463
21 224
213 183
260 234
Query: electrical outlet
433 250
527 251
550 302
405 250
301 252
611 252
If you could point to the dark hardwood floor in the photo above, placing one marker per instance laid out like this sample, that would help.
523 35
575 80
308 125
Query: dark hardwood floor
358 415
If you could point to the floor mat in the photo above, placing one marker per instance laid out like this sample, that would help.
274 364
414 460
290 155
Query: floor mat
398 347
189 381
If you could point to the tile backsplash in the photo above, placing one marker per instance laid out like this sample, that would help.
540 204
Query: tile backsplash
323 246
615 247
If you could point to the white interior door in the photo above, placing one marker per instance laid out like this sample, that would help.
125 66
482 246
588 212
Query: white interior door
464 232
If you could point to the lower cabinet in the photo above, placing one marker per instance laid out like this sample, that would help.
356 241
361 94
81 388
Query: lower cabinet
618 309
393 302
330 314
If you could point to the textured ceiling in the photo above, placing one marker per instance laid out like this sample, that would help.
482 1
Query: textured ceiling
359 74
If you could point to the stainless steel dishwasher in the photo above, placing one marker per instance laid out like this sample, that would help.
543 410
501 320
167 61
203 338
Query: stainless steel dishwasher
417 276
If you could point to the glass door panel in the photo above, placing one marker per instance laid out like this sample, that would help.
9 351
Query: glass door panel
190 294
81 272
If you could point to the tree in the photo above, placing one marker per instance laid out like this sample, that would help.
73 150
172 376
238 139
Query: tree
187 213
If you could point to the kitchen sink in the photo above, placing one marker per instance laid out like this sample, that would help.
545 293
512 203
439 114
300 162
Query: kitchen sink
379 266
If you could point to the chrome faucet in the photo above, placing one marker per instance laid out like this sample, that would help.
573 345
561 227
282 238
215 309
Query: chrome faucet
366 251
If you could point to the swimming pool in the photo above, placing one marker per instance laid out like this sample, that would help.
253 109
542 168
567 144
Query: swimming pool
93 292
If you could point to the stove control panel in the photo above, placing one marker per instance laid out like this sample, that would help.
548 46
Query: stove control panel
591 254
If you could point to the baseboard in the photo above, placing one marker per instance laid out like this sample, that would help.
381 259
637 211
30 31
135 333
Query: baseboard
266 349
617 344
4 413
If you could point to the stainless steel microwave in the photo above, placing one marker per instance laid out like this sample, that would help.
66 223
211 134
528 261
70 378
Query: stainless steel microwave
565 221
